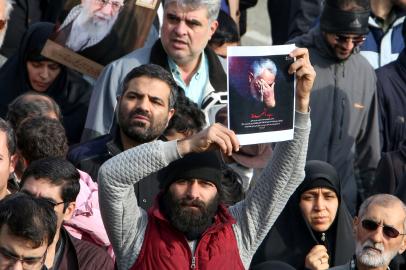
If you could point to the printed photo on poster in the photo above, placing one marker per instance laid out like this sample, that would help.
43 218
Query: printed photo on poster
261 93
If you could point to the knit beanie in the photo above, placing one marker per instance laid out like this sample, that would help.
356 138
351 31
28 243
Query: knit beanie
205 166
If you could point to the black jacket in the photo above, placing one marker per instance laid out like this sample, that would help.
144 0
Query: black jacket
90 155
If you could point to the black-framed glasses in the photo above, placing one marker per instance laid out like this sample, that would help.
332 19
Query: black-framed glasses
2 24
357 40
52 203
115 5
28 263
389 231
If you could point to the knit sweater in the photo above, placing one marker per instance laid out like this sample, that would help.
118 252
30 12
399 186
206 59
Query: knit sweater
126 222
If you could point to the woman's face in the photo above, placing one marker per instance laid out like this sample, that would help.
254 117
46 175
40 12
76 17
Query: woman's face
42 74
319 207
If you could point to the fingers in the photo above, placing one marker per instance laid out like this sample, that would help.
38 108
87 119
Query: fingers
224 138
215 136
317 258
302 59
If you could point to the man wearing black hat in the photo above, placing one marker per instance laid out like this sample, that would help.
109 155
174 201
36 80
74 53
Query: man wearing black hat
344 104
189 227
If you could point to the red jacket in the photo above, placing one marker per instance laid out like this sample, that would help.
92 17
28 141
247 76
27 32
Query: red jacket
166 248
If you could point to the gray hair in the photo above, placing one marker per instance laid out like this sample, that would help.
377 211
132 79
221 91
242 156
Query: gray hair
8 8
259 65
212 6
384 200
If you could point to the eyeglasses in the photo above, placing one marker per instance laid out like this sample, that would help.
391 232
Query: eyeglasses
2 24
52 203
371 225
115 5
357 40
8 259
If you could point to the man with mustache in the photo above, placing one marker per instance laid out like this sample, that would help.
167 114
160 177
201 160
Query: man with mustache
89 22
379 233
144 109
345 130
261 78
188 227
187 27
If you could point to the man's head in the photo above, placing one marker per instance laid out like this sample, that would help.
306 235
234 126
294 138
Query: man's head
261 78
345 24
40 137
102 10
226 35
27 228
192 191
94 22
187 27
56 180
379 230
187 120
147 103
5 10
32 104
7 155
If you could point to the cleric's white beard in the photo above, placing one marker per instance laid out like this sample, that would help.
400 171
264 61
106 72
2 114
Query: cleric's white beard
370 258
87 31
2 35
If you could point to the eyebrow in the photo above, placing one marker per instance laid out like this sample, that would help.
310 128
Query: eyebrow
12 254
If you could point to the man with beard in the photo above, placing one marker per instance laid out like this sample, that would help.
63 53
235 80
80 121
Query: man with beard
261 78
5 10
182 49
144 109
189 227
88 23
379 232
345 131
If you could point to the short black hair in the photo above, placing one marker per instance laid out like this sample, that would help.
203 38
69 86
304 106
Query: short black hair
28 218
155 72
11 139
59 172
226 32
31 104
187 115
41 137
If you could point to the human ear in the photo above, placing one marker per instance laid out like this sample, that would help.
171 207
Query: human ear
69 211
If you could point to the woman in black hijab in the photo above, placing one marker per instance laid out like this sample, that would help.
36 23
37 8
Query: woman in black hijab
314 231
28 70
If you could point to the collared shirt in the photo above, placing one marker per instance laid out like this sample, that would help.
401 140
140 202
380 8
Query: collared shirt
198 82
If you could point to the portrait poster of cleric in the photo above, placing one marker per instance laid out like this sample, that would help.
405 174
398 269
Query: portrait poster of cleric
103 30
261 93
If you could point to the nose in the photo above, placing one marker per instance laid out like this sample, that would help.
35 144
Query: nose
44 73
193 190
143 104
348 44
180 28
17 266
377 235
320 203
107 9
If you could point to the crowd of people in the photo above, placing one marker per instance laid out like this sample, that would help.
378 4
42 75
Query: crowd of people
136 168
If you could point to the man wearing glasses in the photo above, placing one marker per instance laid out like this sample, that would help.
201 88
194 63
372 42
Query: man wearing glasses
90 22
27 228
344 111
56 181
379 233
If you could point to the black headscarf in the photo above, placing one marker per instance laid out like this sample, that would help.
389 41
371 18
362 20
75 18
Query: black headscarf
69 90
291 238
